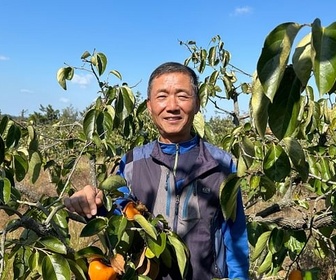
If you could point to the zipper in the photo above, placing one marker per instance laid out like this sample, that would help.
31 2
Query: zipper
177 203
168 189
177 198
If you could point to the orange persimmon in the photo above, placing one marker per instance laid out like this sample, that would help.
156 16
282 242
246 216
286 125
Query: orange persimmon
295 274
130 210
100 271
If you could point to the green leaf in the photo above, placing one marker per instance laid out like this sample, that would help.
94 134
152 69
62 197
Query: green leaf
116 73
94 226
3 124
324 46
5 190
212 56
35 261
63 74
99 60
199 124
267 188
266 264
246 156
283 112
55 267
110 110
146 226
2 150
259 107
296 241
108 120
142 107
100 125
203 94
182 253
157 246
53 244
21 166
69 162
228 196
274 56
276 163
260 245
89 252
13 136
20 263
112 182
128 98
120 108
276 240
35 164
254 181
302 59
76 270
85 55
61 219
89 123
297 156
166 257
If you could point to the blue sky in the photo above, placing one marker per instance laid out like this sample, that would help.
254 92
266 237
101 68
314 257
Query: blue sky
37 37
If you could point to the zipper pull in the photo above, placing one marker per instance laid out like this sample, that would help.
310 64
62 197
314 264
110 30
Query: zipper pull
177 203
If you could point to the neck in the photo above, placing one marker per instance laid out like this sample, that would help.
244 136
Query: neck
174 140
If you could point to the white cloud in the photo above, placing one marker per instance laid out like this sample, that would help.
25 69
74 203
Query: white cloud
82 81
2 57
242 11
24 90
64 100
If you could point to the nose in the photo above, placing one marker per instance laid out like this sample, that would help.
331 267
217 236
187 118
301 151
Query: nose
172 103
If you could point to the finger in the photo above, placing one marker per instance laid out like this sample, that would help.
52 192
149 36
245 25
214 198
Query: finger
80 204
68 205
99 198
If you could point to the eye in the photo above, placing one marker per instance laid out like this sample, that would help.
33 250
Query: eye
161 96
183 96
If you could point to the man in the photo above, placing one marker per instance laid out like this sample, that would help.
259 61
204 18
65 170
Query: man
179 176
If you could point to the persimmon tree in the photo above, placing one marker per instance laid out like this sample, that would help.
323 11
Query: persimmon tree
135 248
285 150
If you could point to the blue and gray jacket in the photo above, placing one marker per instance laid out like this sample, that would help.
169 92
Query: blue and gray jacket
181 182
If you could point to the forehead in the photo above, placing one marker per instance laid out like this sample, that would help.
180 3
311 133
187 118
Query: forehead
172 80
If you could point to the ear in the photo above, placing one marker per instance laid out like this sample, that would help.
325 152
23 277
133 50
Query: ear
149 106
197 107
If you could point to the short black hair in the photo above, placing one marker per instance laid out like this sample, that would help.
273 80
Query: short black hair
173 67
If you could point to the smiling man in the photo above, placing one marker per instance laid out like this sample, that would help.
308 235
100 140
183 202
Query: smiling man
179 176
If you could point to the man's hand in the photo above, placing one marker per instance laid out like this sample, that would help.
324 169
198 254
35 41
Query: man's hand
85 202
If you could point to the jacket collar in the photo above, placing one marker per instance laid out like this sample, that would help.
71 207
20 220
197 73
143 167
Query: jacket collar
182 147
204 162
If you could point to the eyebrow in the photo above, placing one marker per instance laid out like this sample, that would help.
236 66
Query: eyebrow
177 90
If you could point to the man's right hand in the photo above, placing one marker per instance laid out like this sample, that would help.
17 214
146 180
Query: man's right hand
85 202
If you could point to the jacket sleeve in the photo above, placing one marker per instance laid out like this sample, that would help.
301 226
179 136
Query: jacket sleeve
236 242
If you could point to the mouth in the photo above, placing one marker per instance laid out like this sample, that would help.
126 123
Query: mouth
172 119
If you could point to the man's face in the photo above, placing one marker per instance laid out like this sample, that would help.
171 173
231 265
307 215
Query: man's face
172 104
